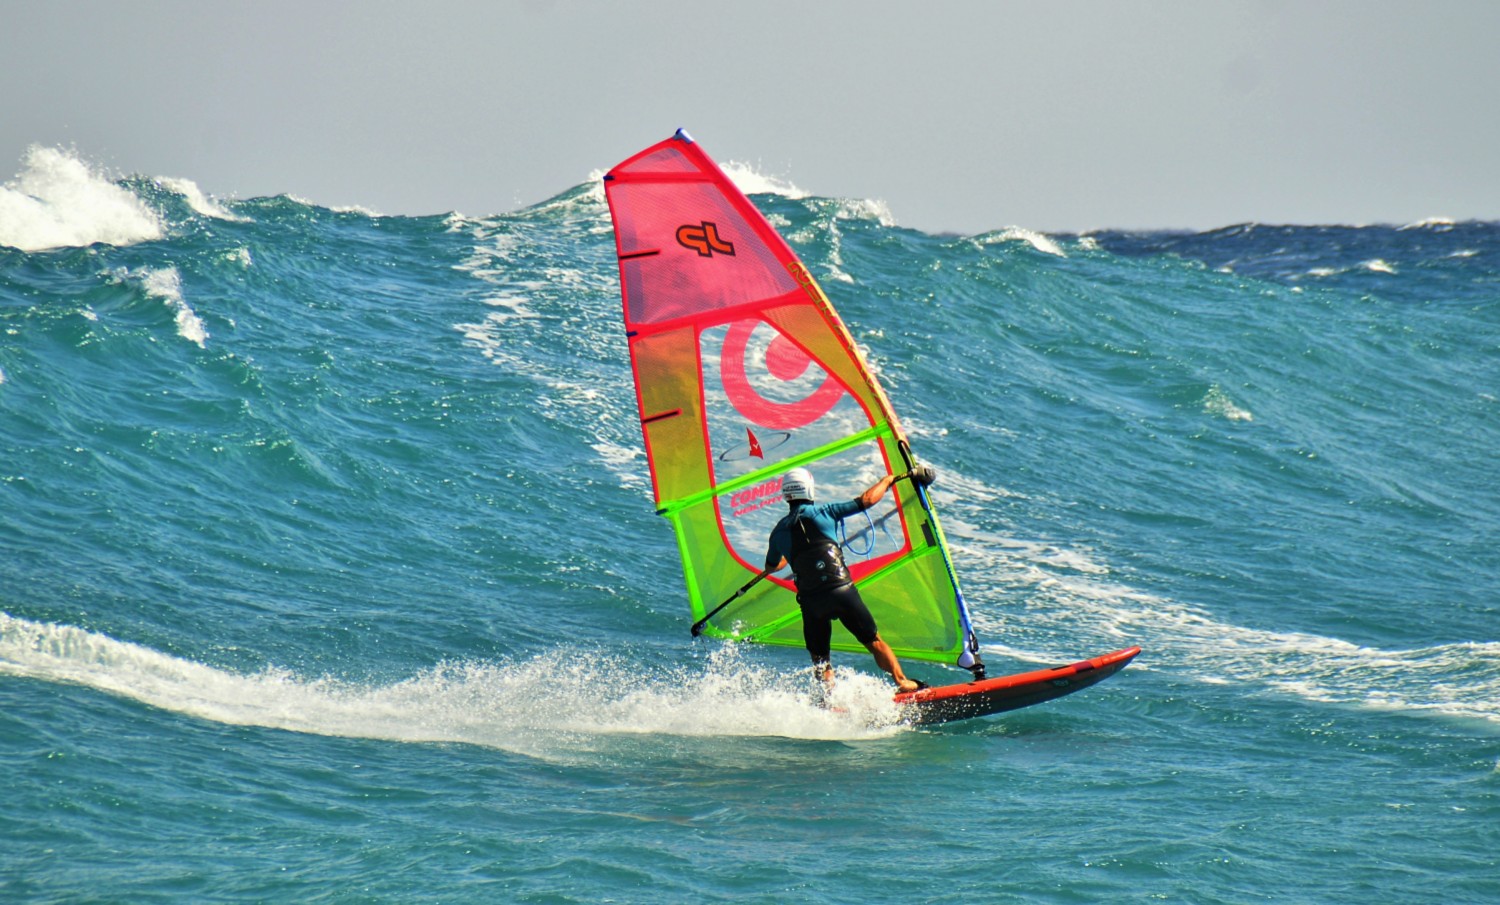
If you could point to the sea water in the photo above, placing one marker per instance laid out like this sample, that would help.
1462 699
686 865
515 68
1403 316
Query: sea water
329 570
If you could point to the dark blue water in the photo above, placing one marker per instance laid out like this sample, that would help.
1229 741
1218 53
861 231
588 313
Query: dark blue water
329 569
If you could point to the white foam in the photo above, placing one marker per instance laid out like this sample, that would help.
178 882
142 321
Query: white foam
59 201
198 201
165 283
337 209
750 180
595 183
558 706
1438 223
1217 402
356 209
623 461
1376 265
1036 240
866 209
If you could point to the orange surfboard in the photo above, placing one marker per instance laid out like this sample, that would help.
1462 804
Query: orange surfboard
1002 693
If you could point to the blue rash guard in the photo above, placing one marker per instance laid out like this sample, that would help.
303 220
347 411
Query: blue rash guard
825 517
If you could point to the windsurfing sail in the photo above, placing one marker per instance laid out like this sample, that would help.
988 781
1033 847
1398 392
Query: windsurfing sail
743 370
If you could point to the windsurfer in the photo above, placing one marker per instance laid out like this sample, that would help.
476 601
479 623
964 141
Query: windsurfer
825 590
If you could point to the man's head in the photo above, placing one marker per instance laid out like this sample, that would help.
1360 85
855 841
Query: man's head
797 484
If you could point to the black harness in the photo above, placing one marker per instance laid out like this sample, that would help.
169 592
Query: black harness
817 562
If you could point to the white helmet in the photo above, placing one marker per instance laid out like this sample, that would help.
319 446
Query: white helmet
797 484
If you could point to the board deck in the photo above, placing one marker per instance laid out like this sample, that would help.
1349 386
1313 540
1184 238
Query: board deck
943 704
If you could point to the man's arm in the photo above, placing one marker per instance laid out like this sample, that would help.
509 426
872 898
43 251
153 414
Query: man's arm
877 490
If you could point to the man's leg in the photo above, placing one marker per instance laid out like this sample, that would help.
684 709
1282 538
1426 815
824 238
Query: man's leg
817 634
856 617
886 660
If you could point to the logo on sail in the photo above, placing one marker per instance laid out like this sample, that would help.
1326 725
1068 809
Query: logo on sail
754 447
703 238
753 499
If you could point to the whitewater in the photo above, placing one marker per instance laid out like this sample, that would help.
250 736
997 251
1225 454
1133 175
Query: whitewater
329 569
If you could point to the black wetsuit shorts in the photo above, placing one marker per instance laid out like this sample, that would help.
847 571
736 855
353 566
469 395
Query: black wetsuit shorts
843 604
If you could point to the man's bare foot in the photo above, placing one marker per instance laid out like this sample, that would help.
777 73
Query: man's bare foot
905 685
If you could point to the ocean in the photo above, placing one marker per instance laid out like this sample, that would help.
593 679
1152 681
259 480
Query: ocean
329 568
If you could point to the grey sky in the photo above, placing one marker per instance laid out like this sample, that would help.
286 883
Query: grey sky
960 116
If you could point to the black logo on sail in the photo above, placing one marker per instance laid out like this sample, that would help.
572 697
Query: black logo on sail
703 238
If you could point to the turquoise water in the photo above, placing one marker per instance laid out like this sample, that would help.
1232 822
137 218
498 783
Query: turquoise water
329 569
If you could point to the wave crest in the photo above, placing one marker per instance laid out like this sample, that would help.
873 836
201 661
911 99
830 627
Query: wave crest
60 201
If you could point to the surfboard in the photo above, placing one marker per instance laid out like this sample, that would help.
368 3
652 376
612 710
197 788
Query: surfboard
966 700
